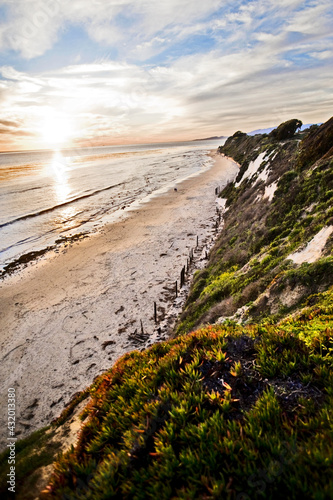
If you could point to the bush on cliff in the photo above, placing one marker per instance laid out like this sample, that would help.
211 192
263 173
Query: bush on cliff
286 130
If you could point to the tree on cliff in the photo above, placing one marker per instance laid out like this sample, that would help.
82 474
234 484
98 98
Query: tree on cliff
286 130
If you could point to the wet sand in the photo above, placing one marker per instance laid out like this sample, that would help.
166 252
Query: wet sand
68 317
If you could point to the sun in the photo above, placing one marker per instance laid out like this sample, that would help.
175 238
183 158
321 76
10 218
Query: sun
56 130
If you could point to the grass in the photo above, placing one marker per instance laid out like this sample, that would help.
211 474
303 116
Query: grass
37 450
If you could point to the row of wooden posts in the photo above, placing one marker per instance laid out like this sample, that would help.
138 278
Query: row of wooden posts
183 272
189 260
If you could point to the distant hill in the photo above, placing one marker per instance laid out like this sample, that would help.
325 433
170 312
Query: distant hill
215 138
261 131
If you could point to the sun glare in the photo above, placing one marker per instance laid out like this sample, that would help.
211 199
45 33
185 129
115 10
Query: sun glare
56 131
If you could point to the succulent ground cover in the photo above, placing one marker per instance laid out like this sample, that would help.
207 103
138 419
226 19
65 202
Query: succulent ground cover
228 411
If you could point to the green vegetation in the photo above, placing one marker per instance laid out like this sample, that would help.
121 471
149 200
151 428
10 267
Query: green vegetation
239 410
259 235
223 412
317 144
286 130
36 451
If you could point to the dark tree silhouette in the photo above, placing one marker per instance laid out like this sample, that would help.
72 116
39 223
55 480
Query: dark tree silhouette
286 130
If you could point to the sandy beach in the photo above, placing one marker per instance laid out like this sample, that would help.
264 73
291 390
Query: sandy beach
69 316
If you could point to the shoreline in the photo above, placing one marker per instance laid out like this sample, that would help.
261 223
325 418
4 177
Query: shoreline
67 317
87 227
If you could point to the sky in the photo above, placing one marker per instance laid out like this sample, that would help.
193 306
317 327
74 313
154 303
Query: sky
95 72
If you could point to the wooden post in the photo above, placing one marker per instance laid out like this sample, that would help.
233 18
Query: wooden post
142 332
155 312
197 241
176 290
182 277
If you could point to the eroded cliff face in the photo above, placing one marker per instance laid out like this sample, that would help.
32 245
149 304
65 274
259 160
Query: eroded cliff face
275 249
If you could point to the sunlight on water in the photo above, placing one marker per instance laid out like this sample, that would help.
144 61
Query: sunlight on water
62 190
66 219
59 171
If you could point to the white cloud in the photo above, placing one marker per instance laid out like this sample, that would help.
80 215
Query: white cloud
313 20
248 78
322 55
141 29
211 93
33 26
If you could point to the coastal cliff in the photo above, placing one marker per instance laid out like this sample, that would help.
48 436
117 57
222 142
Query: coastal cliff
275 248
241 407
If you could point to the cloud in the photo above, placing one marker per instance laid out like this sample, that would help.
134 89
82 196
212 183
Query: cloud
11 129
255 64
20 133
215 92
9 123
139 31
313 20
33 26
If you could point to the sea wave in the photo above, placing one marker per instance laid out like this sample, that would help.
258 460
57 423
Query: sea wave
60 205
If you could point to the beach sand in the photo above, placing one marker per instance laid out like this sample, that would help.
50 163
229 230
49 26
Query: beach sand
67 317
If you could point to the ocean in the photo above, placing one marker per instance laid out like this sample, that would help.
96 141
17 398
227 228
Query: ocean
48 197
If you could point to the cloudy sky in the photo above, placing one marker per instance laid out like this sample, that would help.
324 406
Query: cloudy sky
91 72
